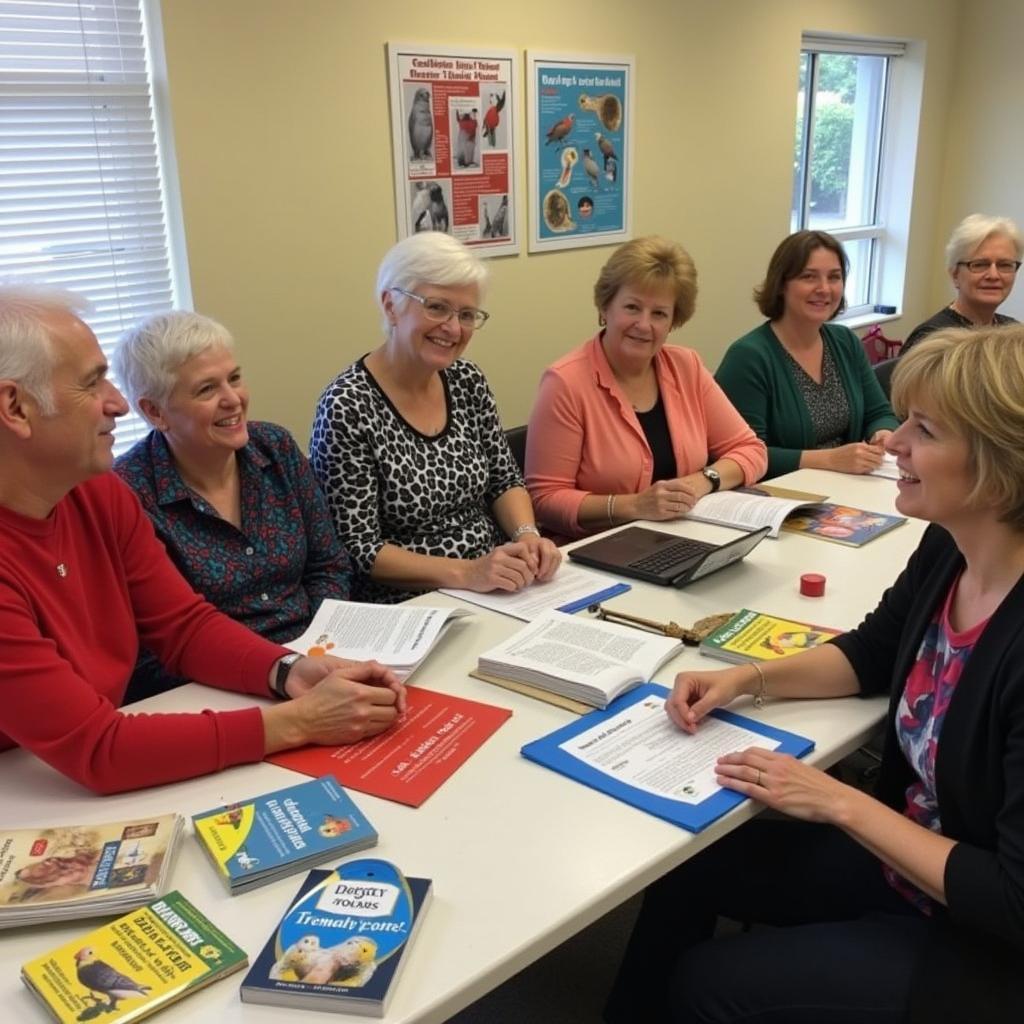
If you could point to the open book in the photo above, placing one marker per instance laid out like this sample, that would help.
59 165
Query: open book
751 509
592 662
399 636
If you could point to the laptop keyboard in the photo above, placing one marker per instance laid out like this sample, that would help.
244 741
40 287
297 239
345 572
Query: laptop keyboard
681 551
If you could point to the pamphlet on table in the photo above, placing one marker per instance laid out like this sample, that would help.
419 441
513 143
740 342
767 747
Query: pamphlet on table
754 636
399 636
64 872
571 589
590 661
841 524
262 839
133 966
635 753
436 735
343 941
751 508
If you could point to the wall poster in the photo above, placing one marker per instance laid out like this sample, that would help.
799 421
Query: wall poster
580 131
453 132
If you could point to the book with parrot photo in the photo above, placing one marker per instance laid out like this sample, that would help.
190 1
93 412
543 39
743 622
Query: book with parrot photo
135 965
256 841
343 941
755 636
64 872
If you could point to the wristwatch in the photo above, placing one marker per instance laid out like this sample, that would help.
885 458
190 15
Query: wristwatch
284 666
712 478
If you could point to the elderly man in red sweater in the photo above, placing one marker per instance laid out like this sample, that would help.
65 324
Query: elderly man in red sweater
83 579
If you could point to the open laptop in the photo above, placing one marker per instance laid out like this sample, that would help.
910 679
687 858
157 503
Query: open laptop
664 558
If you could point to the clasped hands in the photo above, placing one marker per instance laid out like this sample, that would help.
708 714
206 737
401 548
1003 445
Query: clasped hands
668 499
514 565
779 781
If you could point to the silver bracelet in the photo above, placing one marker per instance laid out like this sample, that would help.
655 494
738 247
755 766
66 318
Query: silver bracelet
762 694
525 528
610 509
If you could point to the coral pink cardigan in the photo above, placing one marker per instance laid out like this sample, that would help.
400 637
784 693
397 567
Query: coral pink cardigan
584 436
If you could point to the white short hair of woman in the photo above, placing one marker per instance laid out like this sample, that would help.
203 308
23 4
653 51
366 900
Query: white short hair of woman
26 350
973 230
430 257
149 355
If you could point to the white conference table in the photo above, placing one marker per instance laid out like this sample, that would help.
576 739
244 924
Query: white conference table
521 858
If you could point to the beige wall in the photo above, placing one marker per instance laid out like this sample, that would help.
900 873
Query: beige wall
283 142
985 144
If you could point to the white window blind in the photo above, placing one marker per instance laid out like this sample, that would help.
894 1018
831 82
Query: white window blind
83 203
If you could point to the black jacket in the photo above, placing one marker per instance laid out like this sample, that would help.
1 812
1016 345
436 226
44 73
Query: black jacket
973 969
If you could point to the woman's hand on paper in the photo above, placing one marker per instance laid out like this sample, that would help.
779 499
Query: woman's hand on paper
785 784
507 567
543 556
859 457
697 693
666 499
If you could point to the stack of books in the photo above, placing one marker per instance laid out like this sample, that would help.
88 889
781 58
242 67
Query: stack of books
64 872
262 839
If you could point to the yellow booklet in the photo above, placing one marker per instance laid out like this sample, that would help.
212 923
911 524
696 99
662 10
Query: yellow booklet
135 965
754 636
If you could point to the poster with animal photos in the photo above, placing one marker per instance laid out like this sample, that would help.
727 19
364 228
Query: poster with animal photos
580 134
453 134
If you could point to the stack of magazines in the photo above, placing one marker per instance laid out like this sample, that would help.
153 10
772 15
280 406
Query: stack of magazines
65 872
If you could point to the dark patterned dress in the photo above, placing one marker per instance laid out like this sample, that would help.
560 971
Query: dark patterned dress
387 483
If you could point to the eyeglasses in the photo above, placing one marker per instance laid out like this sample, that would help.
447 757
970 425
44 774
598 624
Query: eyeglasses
441 312
981 266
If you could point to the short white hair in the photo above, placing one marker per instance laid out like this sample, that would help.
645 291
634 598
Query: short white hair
429 257
26 347
973 230
149 355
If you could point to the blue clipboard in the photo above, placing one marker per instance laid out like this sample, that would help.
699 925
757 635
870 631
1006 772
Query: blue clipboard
695 817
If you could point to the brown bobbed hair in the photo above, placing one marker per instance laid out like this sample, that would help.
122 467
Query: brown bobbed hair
972 381
788 261
650 262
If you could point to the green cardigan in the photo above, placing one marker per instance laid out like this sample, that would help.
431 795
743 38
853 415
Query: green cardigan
756 376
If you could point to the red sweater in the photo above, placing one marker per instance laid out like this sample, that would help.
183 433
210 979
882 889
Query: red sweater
78 591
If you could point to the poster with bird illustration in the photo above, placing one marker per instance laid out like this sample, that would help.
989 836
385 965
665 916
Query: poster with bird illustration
453 129
579 127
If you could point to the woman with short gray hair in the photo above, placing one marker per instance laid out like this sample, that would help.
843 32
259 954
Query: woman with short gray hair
983 256
233 500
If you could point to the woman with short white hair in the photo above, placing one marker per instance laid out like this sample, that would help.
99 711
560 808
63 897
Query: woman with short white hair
408 446
233 500
983 256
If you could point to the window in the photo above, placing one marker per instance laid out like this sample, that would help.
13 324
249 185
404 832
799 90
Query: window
845 152
86 177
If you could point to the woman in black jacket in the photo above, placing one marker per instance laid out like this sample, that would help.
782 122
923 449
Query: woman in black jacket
908 907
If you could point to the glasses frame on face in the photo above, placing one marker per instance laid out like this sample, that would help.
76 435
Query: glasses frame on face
1007 267
439 311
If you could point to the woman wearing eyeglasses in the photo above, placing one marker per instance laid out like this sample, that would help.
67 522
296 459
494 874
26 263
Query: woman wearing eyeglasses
983 256
801 381
408 447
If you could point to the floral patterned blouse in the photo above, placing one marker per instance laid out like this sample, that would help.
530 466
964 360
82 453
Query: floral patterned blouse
271 574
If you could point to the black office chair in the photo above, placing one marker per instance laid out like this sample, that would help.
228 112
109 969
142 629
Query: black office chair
517 442
883 371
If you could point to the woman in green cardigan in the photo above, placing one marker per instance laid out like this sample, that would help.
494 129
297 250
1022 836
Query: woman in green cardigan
803 384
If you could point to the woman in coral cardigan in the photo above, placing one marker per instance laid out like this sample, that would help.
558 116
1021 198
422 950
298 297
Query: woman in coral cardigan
627 427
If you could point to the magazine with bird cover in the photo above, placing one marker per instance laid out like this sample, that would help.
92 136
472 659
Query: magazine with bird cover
754 636
62 872
135 965
259 840
453 136
343 941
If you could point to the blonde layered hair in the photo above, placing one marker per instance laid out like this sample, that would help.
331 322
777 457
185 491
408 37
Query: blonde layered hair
973 380
650 262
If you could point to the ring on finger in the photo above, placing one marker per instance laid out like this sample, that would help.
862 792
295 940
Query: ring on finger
758 770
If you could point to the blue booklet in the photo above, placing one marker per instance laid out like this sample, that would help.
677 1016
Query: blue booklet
259 840
633 752
343 941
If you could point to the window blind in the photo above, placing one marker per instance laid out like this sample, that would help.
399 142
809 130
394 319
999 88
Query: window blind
82 198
